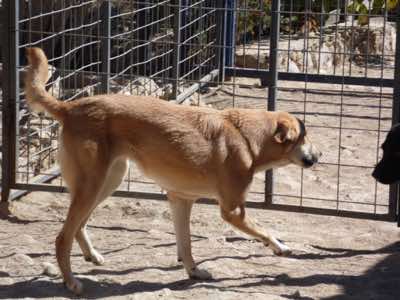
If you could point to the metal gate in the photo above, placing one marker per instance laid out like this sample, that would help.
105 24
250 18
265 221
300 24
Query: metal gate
342 79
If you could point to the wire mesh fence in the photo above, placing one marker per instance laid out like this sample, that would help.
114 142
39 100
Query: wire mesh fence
336 69
332 63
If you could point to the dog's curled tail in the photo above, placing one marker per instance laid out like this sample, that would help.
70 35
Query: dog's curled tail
36 76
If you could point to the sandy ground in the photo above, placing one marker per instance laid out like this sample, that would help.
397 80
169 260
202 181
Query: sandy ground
334 258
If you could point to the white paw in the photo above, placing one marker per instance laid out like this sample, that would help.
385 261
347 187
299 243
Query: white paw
285 251
75 286
96 258
196 273
280 249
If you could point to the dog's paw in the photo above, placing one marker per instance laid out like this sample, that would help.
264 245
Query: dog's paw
283 250
199 274
279 248
75 286
96 258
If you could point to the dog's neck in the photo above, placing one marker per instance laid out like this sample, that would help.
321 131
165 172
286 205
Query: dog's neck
255 128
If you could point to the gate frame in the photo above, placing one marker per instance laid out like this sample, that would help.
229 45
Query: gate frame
10 86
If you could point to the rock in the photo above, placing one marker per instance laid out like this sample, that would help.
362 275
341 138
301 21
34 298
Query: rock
23 259
324 61
49 269
167 92
141 86
253 58
165 293
193 100
289 66
333 17
365 43
372 40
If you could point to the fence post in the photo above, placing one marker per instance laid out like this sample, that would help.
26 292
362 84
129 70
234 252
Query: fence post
10 86
394 190
220 38
177 5
272 83
230 32
143 50
105 12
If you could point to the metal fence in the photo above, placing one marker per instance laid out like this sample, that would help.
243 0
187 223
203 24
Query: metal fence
329 62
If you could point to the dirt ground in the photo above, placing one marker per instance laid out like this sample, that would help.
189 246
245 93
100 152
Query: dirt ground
334 258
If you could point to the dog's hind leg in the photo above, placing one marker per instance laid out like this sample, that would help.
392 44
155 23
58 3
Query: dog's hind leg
239 220
83 199
181 209
113 179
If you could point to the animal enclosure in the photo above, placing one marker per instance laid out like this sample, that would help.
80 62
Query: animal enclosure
333 66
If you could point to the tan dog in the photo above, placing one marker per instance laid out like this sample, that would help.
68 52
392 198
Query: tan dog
190 152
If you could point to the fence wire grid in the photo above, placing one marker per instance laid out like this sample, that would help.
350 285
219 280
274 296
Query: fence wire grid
330 63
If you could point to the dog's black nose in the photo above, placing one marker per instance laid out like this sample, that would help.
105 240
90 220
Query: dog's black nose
308 162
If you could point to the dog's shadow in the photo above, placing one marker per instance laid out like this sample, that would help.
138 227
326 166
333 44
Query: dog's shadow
39 288
381 279
43 287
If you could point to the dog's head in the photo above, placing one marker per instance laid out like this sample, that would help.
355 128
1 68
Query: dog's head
387 171
291 136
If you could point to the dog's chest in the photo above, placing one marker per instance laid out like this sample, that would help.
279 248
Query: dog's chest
195 185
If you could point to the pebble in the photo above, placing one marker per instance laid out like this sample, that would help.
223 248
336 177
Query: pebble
49 269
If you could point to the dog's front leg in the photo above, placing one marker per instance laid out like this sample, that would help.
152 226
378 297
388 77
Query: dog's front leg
181 209
239 220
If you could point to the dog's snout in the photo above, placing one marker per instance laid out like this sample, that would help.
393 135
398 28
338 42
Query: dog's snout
311 159
317 156
308 162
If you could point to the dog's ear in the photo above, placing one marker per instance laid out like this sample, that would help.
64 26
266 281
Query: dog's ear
284 132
